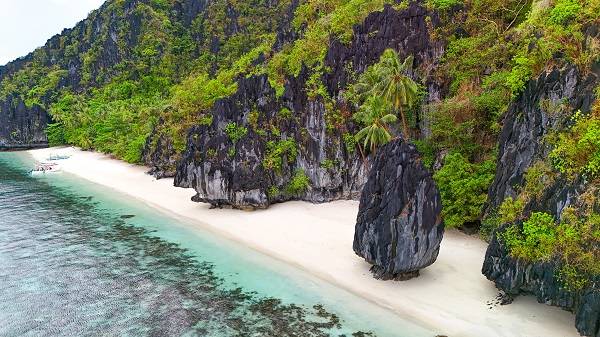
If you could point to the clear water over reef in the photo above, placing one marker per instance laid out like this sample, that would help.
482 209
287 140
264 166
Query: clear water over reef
77 259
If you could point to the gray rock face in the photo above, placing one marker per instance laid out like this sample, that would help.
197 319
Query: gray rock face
20 126
162 154
399 228
516 277
526 124
225 173
538 111
228 174
23 126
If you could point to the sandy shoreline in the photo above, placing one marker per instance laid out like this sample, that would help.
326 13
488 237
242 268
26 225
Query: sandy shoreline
451 297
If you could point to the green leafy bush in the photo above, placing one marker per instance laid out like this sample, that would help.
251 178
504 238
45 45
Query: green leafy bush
577 151
463 187
328 164
211 153
444 4
572 242
349 142
277 151
231 152
275 131
488 227
564 11
538 178
537 239
511 210
298 184
205 120
235 132
56 134
427 152
273 192
285 113
454 134
520 73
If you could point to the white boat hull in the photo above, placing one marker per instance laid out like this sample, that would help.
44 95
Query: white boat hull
45 169
41 173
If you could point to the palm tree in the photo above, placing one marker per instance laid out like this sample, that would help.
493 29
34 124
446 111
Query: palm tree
367 84
395 86
375 115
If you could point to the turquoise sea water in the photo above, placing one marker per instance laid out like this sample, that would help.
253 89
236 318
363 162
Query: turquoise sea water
78 259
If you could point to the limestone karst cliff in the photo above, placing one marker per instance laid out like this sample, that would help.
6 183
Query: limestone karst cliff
250 104
292 137
546 107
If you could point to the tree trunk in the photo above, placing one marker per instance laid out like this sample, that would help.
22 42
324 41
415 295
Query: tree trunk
404 125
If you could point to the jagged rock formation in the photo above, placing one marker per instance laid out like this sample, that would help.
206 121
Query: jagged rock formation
225 173
161 154
113 40
528 121
399 227
405 31
89 56
236 174
516 277
521 144
20 126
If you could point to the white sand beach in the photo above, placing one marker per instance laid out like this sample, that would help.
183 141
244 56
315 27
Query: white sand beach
449 297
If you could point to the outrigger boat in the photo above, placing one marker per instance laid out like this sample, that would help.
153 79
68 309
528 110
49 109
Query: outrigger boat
54 157
45 168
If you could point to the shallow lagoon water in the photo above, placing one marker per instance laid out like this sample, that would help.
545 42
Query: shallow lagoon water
78 259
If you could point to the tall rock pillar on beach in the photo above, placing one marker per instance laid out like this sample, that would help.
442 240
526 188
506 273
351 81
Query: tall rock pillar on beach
399 227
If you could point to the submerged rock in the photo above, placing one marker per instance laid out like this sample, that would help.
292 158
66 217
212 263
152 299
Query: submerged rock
399 227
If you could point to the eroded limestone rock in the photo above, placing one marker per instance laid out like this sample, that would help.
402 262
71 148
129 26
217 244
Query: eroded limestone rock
399 227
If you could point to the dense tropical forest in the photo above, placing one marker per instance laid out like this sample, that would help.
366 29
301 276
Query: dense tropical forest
141 73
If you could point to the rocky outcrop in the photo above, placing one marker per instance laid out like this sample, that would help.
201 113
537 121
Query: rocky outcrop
109 34
399 228
160 151
545 106
516 277
405 31
305 140
277 145
22 127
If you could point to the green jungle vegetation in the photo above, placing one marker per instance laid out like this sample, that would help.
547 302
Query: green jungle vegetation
505 44
574 238
168 78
